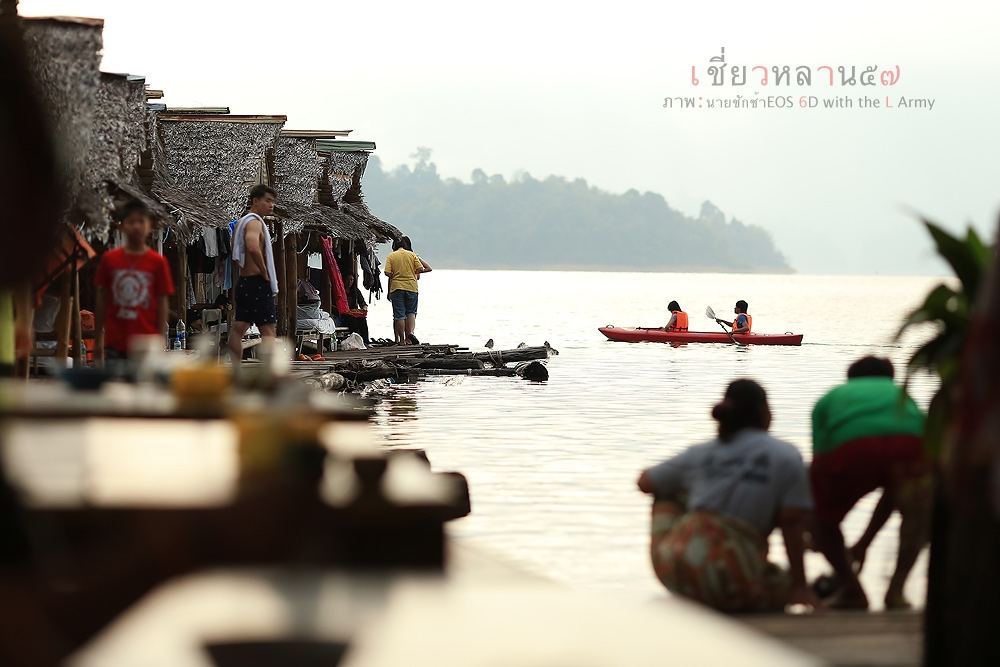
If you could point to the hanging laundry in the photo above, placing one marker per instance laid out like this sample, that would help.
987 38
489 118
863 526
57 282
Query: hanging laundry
227 282
223 236
371 276
336 280
211 240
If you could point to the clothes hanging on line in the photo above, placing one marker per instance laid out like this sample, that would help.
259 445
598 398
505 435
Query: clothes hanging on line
370 271
227 282
210 241
336 280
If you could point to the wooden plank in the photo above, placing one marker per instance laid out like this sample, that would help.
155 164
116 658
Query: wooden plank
315 134
849 639
166 116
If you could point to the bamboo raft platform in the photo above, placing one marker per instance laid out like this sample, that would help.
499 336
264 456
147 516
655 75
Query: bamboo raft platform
344 368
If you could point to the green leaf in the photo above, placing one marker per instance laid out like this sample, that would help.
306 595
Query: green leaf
943 304
960 255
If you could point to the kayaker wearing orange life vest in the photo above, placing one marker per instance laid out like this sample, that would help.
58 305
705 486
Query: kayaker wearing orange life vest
678 318
743 322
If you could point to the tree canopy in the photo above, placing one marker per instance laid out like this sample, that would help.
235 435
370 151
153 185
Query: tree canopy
557 223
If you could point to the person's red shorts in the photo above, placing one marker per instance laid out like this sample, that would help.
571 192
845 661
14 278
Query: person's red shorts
842 477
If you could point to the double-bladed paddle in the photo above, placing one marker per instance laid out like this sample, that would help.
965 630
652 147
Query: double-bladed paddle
711 315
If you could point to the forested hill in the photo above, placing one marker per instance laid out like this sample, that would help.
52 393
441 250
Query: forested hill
525 223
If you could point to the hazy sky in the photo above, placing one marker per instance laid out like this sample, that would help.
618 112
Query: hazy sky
576 89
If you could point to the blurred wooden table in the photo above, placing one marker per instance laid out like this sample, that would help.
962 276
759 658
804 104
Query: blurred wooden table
114 506
444 620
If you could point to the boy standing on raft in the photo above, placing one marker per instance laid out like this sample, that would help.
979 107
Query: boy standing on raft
133 283
743 323
678 318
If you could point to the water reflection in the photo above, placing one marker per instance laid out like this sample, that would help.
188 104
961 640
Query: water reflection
552 466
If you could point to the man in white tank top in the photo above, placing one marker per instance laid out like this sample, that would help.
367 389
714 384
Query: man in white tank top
258 282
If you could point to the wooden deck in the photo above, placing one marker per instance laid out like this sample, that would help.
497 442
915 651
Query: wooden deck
850 639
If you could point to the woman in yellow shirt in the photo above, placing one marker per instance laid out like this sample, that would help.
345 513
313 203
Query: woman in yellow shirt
403 268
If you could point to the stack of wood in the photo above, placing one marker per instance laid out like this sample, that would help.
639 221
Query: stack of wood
349 369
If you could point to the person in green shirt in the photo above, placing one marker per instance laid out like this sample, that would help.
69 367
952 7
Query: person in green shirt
868 435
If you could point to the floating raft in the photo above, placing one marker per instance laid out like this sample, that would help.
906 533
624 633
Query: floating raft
340 369
643 335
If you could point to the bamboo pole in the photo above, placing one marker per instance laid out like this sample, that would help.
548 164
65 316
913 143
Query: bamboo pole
282 324
77 323
291 266
182 272
63 320
326 287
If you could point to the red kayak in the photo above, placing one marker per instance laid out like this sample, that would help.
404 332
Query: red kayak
639 335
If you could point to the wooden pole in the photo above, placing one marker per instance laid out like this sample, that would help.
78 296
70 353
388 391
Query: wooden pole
63 321
282 327
326 287
24 321
182 281
7 351
291 267
77 323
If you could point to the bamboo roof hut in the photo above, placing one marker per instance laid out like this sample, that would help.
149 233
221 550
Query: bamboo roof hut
298 171
190 213
99 118
340 185
120 142
219 157
64 54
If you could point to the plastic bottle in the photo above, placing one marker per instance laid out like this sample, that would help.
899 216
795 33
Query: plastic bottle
180 341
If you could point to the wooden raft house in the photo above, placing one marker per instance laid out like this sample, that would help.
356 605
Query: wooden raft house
193 168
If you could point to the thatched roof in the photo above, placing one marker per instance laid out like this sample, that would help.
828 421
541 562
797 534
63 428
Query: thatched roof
341 171
383 230
190 213
297 171
120 139
346 169
65 59
218 158
323 219
119 133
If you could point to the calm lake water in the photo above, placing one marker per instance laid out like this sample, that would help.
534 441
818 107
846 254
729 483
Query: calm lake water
552 467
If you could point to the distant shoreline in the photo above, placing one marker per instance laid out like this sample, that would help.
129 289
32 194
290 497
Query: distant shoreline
439 266
612 269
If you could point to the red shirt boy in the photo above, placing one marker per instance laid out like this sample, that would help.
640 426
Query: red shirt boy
133 283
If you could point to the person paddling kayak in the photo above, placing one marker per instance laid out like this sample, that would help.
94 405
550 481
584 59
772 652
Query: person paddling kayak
743 323
678 318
